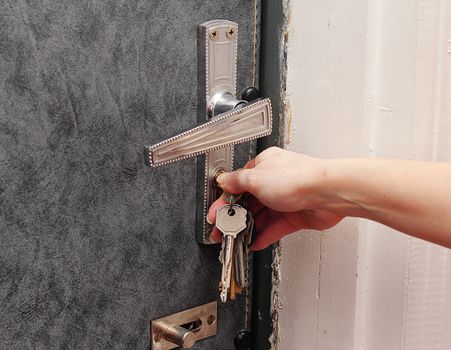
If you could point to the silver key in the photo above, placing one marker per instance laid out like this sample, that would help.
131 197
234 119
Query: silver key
231 219
249 229
240 259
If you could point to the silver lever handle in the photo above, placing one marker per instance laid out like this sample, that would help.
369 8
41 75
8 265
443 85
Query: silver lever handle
250 122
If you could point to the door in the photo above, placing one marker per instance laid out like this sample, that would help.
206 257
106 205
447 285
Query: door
94 244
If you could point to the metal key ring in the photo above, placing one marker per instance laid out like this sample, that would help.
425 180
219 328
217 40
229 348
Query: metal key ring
232 198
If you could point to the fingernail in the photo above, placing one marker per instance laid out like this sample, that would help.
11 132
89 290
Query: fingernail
208 220
221 179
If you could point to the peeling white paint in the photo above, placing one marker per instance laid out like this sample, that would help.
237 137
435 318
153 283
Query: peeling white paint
367 78
284 132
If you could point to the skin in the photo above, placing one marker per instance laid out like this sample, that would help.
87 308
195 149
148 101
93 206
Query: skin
288 192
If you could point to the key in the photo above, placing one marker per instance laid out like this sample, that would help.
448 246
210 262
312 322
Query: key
221 259
233 285
231 219
250 229
240 259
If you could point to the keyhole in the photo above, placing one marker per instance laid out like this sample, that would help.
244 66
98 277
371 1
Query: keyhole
231 212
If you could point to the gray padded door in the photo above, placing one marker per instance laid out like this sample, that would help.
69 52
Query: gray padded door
94 244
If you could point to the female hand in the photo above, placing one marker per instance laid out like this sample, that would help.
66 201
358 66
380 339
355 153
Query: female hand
284 195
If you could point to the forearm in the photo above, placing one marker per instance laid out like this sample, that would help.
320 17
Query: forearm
412 197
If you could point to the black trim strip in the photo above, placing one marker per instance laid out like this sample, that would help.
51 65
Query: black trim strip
271 83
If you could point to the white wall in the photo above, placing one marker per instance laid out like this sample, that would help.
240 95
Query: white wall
368 78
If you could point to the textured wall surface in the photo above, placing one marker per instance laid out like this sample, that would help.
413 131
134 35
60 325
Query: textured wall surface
373 79
93 245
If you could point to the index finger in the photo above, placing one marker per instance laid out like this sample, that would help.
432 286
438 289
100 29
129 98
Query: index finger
239 181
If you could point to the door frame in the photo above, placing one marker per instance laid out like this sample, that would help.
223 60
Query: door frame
272 75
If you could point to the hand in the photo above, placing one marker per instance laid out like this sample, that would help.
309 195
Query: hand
285 195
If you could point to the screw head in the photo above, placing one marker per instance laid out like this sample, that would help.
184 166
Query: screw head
231 32
214 34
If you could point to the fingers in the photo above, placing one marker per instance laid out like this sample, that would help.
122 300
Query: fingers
260 157
240 181
253 205
216 235
272 233
250 164
271 227
245 180
211 216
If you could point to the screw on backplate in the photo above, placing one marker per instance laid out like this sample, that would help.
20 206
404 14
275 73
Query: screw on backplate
230 33
214 34
231 212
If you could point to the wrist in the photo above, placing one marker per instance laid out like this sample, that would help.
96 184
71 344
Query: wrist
339 187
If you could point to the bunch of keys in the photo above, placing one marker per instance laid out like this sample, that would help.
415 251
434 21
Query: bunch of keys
236 225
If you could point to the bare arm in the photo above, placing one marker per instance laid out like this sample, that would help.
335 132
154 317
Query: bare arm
409 196
292 191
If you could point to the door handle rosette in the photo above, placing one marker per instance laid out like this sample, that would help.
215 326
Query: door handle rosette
224 120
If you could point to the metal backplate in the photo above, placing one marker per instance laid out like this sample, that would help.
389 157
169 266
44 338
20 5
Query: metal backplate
217 64
207 314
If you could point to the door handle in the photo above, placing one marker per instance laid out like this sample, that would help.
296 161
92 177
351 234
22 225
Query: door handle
224 120
247 123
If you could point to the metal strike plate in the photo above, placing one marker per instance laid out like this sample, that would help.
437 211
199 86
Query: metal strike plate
223 120
199 323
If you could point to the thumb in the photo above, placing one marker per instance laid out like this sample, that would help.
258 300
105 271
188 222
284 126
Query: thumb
240 181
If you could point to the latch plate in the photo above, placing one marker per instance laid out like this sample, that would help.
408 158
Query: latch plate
206 314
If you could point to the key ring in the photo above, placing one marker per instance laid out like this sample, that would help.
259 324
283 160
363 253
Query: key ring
231 211
232 199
